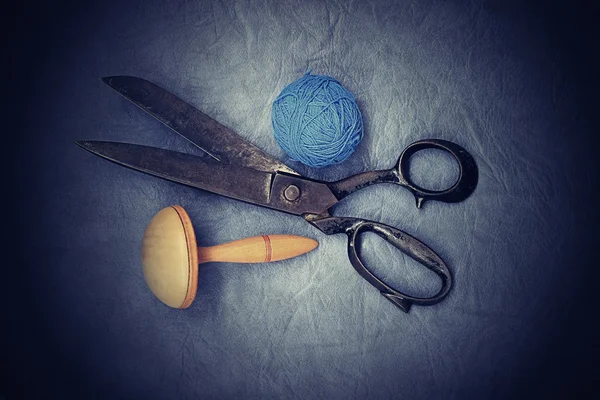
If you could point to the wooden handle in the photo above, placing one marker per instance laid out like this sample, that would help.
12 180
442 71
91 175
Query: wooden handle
257 249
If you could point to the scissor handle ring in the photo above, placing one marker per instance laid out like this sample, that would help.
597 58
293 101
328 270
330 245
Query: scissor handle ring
410 246
460 190
406 243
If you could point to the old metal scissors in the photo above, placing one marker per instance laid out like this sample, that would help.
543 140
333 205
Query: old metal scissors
235 168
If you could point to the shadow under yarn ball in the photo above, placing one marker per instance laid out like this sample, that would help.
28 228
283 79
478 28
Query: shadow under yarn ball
316 121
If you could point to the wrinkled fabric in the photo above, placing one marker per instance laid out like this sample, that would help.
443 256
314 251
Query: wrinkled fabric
308 327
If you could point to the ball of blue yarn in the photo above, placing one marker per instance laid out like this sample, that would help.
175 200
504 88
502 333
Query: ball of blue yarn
316 121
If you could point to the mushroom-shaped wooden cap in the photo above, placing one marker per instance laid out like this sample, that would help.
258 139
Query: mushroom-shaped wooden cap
170 257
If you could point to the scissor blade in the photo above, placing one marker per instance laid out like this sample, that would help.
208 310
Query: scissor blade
283 192
236 182
215 139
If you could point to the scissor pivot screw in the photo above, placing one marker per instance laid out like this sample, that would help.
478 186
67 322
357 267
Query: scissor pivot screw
291 193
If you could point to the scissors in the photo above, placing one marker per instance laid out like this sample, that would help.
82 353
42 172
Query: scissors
235 168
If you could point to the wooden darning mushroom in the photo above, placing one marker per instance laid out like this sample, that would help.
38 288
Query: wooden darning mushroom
170 256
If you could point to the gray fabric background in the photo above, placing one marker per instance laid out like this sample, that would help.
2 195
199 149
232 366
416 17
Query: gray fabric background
500 78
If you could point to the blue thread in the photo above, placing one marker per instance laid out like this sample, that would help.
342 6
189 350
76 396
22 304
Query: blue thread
316 121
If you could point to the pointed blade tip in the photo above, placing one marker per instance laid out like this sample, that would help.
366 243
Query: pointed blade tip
111 80
114 80
93 146
84 142
81 143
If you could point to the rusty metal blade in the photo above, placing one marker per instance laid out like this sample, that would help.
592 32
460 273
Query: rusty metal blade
215 139
245 184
